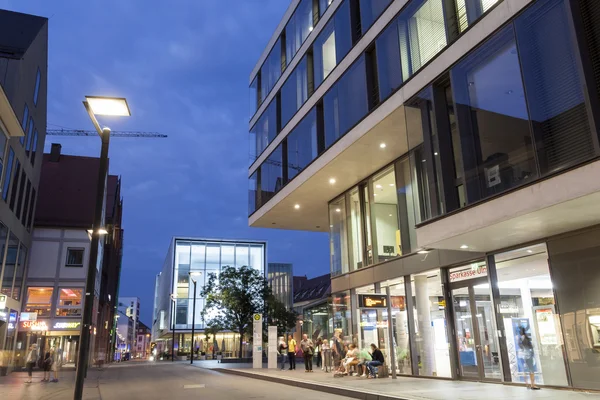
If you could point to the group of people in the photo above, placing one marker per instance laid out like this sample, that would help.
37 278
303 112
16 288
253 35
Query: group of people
347 358
49 363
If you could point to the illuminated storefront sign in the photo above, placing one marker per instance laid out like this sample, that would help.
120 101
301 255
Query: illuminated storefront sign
474 271
66 325
372 301
34 325
42 325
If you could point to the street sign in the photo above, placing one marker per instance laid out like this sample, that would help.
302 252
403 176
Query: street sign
257 317
257 341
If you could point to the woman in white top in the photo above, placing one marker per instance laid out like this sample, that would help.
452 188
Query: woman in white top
56 355
30 361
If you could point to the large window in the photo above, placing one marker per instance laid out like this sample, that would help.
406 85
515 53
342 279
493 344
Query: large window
346 103
69 302
271 70
493 119
15 185
8 175
39 300
19 273
242 255
389 72
370 10
338 237
271 175
333 43
10 265
264 131
385 215
342 314
356 230
294 92
253 204
302 144
468 11
298 28
400 326
255 96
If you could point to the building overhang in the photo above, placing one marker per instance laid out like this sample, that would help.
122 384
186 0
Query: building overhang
8 118
351 159
561 204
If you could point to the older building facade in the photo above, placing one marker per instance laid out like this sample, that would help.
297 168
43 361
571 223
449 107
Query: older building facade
453 159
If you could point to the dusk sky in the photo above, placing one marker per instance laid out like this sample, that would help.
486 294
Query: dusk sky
184 68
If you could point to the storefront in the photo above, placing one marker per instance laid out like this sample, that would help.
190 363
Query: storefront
466 321
61 334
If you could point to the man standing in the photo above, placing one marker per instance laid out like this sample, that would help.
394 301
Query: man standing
308 349
292 352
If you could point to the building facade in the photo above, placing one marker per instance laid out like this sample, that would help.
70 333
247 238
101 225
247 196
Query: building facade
58 264
143 341
126 335
312 302
23 105
130 306
452 158
204 257
280 278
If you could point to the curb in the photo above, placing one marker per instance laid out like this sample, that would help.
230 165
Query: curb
340 391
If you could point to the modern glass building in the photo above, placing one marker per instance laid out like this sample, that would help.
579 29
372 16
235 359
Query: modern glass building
451 150
205 257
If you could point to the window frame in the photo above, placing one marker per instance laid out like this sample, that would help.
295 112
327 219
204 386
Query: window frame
58 307
69 249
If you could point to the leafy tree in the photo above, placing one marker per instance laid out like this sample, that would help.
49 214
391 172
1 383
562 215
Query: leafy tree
234 297
278 315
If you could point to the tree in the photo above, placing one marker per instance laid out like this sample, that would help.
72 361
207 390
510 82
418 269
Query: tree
280 316
234 297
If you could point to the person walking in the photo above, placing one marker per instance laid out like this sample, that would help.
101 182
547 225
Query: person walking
528 356
31 360
47 366
377 361
56 363
282 348
308 350
319 352
292 352
326 355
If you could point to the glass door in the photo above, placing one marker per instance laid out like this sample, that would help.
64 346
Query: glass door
477 342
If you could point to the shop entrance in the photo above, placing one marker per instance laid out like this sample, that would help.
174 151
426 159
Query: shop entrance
476 338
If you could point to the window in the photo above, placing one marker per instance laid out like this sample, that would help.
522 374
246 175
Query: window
264 131
294 92
7 177
26 203
332 45
36 91
74 257
370 10
493 118
19 273
242 255
342 314
29 136
3 141
69 302
34 147
468 11
253 198
298 28
255 97
31 208
227 255
323 5
302 144
338 237
20 199
385 215
15 185
10 265
399 324
389 72
422 34
24 122
405 190
271 175
356 230
257 257
271 70
39 300
346 103
182 312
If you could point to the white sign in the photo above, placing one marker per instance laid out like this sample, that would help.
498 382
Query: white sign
2 301
257 342
476 271
28 316
272 362
493 176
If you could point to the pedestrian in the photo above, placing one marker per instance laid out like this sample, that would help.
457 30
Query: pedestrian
47 366
308 350
326 355
282 349
56 363
319 351
337 349
527 354
292 352
377 361
31 360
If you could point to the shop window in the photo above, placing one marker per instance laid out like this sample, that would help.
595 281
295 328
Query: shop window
74 257
493 119
302 144
385 215
338 237
400 328
430 325
527 304
342 315
69 302
39 300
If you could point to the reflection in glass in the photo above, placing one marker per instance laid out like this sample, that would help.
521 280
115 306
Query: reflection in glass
298 28
256 257
430 325
39 300
302 145
19 273
242 256
468 11
338 237
271 70
385 215
294 92
389 72
406 206
227 255
342 314
493 119
255 98
370 10
399 325
264 131
271 175
332 44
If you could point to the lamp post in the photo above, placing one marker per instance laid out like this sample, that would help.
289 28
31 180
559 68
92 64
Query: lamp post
173 301
110 106
192 274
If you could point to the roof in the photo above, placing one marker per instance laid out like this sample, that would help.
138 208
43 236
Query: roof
67 192
17 32
312 289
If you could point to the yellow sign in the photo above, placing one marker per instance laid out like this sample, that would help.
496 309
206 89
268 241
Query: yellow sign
257 317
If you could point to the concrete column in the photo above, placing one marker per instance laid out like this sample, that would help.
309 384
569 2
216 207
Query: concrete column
425 337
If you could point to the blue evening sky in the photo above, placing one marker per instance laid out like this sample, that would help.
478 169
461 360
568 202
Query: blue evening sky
184 67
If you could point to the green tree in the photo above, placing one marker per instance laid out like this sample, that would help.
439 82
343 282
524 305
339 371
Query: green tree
234 297
279 316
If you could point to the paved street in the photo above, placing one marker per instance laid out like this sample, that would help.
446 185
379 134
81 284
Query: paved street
154 381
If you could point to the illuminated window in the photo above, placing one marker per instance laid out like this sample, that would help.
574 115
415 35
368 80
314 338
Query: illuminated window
39 300
69 302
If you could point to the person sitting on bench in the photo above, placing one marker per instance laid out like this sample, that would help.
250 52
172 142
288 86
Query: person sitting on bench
377 361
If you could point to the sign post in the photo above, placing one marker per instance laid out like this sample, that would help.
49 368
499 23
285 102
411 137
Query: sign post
272 347
257 341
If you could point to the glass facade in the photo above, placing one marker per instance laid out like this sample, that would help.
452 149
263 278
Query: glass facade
333 43
302 144
294 92
264 131
298 28
271 70
271 175
370 10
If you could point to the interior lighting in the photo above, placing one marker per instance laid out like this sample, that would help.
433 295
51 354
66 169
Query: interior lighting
379 186
383 145
332 181
297 206
338 210
464 246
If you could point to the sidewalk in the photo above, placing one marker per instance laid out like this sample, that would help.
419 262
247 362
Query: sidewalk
403 388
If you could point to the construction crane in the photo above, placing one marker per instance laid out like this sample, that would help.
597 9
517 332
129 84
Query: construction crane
125 134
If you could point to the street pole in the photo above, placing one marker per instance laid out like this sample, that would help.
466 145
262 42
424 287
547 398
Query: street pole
173 326
90 286
193 323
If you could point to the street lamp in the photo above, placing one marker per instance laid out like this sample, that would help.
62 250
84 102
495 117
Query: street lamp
192 274
95 105
173 301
